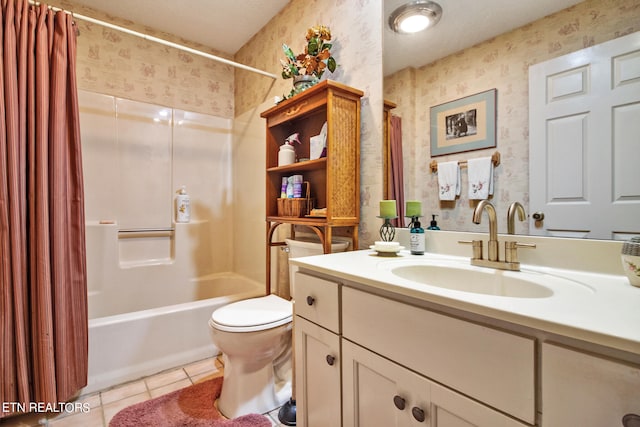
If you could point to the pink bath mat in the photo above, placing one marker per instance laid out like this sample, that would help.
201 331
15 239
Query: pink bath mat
192 406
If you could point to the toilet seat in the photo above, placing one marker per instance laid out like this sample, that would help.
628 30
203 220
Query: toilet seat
254 314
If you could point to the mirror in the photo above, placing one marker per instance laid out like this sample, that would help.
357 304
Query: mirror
502 62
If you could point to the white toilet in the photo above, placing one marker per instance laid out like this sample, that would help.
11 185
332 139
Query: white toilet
254 336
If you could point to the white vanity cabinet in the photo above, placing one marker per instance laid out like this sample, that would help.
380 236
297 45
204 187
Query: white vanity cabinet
367 358
490 366
378 392
580 389
317 352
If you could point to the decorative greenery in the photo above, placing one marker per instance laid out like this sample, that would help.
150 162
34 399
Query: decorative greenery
315 58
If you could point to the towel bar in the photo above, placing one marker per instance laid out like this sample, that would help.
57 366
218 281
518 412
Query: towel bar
140 232
495 159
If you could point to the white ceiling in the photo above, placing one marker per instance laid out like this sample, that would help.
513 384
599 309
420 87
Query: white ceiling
226 25
464 23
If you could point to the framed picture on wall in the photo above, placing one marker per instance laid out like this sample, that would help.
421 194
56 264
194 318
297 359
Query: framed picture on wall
465 124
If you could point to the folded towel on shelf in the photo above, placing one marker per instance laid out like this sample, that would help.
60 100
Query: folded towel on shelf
449 180
480 173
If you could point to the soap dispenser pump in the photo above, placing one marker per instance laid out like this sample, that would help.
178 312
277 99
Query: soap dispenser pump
434 223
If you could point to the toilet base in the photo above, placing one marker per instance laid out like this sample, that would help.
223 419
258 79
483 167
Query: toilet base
236 399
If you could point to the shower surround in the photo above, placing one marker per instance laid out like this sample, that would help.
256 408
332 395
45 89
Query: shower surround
152 283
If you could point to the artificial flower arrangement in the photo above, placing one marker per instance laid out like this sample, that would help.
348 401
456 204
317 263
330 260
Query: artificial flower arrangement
313 61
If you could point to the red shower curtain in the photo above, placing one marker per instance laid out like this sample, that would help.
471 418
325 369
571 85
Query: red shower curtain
43 292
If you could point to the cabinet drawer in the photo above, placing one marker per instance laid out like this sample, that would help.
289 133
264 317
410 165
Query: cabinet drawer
317 300
580 389
297 109
492 366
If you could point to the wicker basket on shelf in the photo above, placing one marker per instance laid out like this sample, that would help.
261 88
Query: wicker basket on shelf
296 207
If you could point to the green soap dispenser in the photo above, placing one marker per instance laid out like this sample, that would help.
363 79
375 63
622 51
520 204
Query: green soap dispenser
416 239
434 224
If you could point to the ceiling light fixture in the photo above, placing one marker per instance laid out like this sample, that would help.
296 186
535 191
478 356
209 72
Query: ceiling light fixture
415 16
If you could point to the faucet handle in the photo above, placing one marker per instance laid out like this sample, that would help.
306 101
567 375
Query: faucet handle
511 250
476 246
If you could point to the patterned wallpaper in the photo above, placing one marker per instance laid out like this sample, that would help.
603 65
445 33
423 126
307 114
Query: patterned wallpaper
357 39
121 65
115 63
500 63
118 64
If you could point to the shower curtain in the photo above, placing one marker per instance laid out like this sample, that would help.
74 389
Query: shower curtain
396 183
43 292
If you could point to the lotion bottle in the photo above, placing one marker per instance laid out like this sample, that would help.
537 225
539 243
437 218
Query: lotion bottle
183 206
417 239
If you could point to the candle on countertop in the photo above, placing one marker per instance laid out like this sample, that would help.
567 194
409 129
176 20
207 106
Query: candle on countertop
388 209
413 208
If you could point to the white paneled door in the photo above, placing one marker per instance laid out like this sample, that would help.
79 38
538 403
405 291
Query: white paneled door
584 142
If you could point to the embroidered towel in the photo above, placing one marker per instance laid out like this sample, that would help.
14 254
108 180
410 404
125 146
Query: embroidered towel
449 180
480 172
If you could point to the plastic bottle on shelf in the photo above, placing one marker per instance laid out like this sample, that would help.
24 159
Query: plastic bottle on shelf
286 155
183 205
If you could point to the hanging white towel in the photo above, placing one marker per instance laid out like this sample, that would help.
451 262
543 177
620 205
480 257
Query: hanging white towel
480 172
449 180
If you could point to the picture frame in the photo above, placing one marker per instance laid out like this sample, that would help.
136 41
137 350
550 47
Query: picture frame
465 124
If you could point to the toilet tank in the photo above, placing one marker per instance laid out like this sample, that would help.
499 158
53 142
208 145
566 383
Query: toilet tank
307 246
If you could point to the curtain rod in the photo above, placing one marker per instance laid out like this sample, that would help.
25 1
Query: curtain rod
162 41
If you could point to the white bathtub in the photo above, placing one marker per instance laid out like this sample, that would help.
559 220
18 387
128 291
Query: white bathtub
128 346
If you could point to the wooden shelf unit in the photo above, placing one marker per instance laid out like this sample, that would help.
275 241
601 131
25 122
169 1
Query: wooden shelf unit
335 179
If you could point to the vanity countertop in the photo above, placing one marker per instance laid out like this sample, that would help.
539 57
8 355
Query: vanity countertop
604 309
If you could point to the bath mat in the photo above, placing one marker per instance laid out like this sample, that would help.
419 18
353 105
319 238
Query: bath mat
191 406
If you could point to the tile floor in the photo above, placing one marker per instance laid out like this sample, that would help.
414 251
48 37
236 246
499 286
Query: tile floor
106 403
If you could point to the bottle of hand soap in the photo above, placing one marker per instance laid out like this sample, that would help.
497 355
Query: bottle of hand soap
434 224
183 206
416 239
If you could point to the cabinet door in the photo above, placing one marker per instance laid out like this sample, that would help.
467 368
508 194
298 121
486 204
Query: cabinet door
450 409
377 392
317 359
491 366
579 389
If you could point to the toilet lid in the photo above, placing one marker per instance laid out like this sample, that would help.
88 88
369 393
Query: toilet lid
268 311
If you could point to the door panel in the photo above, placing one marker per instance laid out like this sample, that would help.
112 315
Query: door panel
584 118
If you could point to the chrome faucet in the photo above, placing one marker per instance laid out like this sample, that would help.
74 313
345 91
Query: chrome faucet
493 226
511 213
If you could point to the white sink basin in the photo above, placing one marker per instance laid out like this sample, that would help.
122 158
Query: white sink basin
458 276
